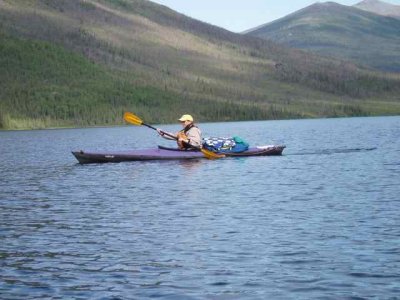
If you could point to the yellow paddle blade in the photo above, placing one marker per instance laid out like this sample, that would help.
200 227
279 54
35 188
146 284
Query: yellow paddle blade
211 155
133 119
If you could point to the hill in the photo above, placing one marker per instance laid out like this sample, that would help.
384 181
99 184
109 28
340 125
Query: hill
85 62
339 31
380 8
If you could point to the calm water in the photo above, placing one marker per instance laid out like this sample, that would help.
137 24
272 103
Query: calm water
320 222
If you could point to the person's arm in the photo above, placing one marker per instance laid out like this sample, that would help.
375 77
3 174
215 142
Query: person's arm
165 135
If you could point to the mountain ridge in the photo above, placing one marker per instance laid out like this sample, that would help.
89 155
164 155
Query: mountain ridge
379 7
340 31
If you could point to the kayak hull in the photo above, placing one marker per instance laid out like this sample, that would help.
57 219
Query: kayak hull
163 153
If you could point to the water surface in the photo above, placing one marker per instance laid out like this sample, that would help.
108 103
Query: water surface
320 222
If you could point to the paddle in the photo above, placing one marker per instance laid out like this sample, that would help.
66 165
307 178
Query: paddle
135 120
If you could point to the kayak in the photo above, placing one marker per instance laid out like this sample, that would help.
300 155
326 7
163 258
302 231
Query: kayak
164 153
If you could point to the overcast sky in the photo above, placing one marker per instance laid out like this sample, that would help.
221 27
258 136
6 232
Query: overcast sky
240 15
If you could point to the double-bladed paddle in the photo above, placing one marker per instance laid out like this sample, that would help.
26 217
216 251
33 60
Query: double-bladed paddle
135 120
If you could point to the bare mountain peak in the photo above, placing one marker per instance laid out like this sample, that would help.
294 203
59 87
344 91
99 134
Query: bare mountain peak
379 7
374 3
369 2
328 6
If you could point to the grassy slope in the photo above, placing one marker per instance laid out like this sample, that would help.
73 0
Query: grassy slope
79 63
340 31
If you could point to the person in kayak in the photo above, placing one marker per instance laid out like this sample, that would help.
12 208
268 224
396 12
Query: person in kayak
189 135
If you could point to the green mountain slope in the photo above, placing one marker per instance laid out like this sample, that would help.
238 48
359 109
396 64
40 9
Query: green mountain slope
339 31
85 62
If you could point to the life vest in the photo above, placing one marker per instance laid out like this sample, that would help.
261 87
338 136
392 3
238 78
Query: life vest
183 134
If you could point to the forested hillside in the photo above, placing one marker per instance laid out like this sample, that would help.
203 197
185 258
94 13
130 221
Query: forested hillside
85 62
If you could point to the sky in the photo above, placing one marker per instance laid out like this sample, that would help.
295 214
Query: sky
241 15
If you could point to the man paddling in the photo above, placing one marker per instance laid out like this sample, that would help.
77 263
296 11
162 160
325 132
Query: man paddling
189 135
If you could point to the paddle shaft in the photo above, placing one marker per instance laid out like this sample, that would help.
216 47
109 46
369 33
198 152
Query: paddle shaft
163 132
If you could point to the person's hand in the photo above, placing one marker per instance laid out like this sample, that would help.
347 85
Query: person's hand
160 132
182 140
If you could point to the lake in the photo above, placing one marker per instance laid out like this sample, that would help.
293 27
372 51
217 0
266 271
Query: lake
322 221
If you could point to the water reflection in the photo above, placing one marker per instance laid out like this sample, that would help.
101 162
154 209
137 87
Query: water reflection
192 164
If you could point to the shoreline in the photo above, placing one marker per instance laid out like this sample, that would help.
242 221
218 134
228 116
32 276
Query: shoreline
206 122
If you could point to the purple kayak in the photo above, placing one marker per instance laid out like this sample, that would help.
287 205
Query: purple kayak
163 153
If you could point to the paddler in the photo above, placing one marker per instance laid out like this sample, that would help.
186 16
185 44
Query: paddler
189 135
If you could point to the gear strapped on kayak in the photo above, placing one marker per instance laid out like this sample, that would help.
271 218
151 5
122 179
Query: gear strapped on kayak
225 145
